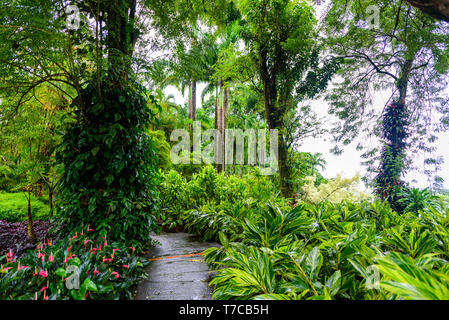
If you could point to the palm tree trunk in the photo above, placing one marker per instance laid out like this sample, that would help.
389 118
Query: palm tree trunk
193 112
224 113
219 143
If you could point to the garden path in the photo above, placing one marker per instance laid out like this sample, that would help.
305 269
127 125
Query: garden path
178 271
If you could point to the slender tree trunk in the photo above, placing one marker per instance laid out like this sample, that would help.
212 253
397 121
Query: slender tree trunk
50 200
192 102
31 233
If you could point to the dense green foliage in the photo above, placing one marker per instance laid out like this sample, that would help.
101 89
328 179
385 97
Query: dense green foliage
86 127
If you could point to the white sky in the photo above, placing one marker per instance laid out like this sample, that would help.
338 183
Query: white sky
349 162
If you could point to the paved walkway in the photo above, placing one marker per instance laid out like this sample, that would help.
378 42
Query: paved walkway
177 272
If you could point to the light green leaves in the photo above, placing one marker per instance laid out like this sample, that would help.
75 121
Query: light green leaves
314 262
410 279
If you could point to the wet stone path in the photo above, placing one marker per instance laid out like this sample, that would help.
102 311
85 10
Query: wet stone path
178 272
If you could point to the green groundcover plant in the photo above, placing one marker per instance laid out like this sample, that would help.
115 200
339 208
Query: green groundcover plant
340 251
103 270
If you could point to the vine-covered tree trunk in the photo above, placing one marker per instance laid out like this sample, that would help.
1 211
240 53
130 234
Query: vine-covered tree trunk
109 161
389 184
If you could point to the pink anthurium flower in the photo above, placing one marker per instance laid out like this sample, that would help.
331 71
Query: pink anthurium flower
126 266
115 273
107 260
22 267
51 258
133 249
43 273
10 254
68 258
44 288
96 271
5 269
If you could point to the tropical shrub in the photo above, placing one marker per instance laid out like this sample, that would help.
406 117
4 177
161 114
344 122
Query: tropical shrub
106 270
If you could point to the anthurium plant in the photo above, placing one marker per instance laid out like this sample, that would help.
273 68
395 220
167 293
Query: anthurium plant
79 267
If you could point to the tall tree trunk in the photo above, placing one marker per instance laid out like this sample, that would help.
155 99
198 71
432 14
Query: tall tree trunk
402 82
274 117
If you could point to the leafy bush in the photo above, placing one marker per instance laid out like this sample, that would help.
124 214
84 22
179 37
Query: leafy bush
207 192
14 207
414 200
106 270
